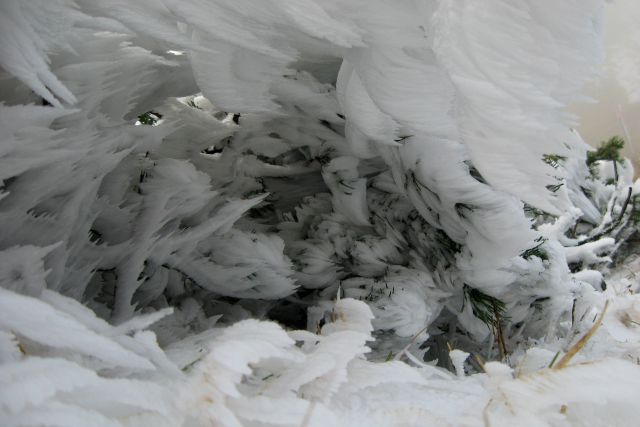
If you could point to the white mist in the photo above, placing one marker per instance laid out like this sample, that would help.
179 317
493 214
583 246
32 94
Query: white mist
616 94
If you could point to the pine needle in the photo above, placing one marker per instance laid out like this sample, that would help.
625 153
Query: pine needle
554 359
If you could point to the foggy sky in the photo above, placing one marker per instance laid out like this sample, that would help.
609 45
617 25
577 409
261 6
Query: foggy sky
617 91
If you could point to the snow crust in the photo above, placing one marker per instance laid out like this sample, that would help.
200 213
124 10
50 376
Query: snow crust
301 213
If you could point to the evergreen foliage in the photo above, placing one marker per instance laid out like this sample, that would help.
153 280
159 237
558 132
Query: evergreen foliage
149 118
608 150
490 310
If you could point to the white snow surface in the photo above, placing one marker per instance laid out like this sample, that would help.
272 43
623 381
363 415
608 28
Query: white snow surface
294 212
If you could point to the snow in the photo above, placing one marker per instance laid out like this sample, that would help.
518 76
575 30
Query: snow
305 213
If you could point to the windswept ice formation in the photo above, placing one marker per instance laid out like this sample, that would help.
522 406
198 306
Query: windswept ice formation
281 212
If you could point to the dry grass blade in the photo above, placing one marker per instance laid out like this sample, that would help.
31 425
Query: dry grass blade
582 341
480 362
307 414
413 339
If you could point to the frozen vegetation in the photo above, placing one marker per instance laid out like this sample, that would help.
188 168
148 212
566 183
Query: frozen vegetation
311 213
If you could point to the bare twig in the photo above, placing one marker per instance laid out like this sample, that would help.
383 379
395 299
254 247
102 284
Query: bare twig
614 224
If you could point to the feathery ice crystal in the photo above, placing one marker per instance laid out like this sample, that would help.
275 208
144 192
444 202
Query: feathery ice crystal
281 212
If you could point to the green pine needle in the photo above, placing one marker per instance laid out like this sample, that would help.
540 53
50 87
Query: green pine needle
536 251
608 150
553 160
149 118
485 307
